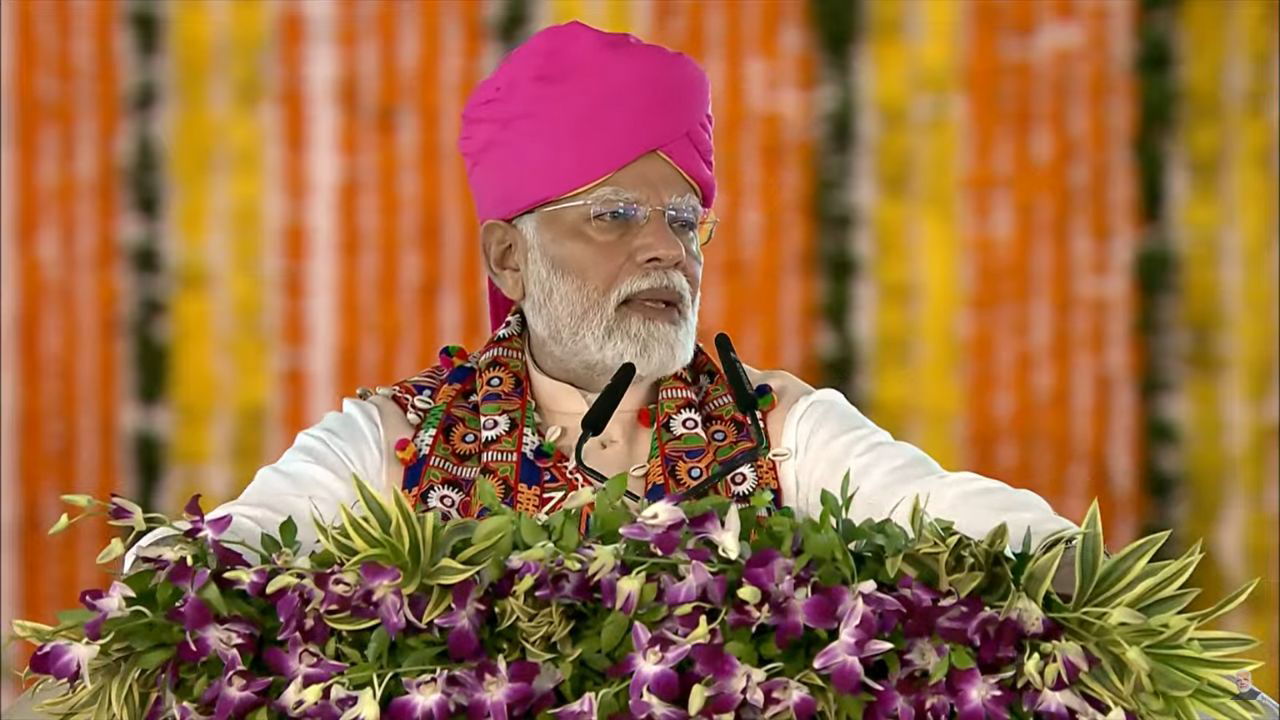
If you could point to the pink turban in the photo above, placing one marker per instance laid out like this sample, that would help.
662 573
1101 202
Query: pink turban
573 105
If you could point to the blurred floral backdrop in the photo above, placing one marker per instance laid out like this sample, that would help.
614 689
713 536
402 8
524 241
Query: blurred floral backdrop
1037 238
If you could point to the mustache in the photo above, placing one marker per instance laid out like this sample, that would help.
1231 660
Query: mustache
656 280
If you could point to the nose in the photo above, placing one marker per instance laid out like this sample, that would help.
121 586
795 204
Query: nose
657 246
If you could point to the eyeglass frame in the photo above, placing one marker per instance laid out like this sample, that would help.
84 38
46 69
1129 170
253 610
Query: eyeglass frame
708 216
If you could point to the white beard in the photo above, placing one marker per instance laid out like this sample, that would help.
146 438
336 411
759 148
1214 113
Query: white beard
587 334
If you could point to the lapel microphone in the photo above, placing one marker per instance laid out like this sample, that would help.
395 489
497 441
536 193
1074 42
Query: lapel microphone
597 417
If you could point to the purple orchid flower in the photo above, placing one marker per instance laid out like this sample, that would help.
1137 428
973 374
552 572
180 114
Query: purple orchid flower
205 637
710 660
427 698
338 589
235 693
697 581
922 654
297 606
565 586
300 697
651 665
125 513
787 613
107 605
894 700
659 525
64 660
977 696
1073 660
783 695
251 581
622 593
649 706
187 576
842 659
380 596
584 708
497 691
208 530
724 534
766 570
968 622
301 661
464 621
344 704
920 603
544 688
1055 704
745 684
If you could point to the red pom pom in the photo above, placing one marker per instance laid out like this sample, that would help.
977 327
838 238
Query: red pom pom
645 416
406 451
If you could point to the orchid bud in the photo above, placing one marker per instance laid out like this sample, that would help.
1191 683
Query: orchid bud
629 589
78 500
113 550
63 523
749 594
697 699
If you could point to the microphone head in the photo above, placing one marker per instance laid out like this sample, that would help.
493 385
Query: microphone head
596 419
739 384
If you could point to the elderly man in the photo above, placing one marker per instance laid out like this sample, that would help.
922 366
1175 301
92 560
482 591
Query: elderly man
589 155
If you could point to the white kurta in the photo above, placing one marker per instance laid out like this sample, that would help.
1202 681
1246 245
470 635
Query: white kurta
825 434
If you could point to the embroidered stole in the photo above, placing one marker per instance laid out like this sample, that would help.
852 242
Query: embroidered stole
474 416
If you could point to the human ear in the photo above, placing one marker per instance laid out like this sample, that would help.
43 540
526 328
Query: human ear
503 246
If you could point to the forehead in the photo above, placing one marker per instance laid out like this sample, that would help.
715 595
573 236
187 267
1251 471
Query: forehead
651 178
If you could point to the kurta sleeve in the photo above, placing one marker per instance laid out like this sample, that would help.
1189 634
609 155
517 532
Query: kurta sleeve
316 472
829 437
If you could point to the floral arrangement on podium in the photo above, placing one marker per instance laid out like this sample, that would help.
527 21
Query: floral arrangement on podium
672 610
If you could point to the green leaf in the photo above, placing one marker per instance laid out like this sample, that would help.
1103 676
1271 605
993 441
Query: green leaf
1222 642
1088 557
940 668
614 629
379 641
830 504
375 507
450 572
270 545
76 616
210 593
288 532
1120 569
531 532
1224 606
154 658
961 658
1170 603
487 495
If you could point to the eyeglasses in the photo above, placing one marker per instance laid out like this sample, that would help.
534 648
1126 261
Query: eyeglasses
618 219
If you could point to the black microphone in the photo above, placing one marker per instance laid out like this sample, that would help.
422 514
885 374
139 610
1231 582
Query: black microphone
748 404
597 417
739 385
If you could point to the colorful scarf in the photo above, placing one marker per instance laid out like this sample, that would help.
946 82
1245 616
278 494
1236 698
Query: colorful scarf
474 417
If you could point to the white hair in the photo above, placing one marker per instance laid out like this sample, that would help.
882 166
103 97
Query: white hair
581 328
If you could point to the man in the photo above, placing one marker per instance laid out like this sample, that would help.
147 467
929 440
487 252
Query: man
589 155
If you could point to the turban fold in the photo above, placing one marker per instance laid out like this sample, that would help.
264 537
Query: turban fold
573 105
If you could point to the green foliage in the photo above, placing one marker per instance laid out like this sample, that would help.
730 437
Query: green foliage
1127 610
